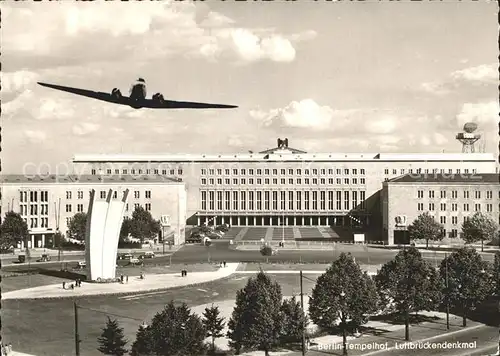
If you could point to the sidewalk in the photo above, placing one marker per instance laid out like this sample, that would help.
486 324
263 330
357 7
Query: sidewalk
135 284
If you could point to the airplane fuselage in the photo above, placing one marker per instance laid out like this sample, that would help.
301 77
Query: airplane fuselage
137 95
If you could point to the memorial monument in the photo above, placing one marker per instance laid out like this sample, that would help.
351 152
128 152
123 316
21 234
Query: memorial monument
104 221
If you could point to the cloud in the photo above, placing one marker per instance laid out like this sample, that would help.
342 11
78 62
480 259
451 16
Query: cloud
85 128
139 31
17 81
483 73
35 136
483 113
471 77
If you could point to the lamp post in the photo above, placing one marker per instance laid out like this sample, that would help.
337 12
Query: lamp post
447 292
343 320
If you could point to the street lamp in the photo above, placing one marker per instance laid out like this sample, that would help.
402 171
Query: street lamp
447 292
343 320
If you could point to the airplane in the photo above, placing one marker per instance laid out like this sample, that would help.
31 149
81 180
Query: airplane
137 98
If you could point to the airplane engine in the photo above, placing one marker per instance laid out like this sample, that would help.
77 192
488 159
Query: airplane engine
158 97
115 93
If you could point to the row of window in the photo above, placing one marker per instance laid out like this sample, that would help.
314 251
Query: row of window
24 197
454 194
280 200
140 171
103 194
429 171
33 209
44 222
454 207
282 171
80 209
282 181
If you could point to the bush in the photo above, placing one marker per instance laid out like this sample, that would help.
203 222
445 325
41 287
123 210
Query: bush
70 246
132 245
266 250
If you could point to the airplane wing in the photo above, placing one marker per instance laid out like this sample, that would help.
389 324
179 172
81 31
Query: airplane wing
171 104
88 93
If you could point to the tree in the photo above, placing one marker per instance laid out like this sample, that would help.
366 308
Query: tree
256 322
408 284
173 331
214 324
496 274
78 226
294 321
125 228
13 230
425 227
112 340
342 293
468 281
142 225
479 227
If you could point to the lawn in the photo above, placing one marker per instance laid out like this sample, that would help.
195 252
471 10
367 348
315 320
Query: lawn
46 327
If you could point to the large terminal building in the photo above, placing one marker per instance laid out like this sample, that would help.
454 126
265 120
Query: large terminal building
281 186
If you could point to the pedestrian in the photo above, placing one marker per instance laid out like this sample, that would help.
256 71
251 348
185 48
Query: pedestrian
9 348
72 286
126 278
4 350
64 285
224 263
121 279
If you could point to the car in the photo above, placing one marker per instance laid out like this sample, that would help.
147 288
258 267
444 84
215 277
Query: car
81 265
44 258
149 254
127 256
135 261
215 234
223 228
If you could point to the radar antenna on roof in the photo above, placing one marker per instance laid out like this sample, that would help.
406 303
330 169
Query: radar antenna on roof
468 138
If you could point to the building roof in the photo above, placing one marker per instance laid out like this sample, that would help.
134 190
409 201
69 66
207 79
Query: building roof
85 179
477 178
285 155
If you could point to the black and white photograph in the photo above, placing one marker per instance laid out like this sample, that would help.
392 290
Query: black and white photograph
227 177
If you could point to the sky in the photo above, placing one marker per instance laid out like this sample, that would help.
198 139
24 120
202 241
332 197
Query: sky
330 77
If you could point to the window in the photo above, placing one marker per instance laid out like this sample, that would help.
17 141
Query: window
489 208
386 171
275 172
290 200
420 194
346 180
454 233
250 172
250 181
315 181
156 171
211 181
266 181
267 203
203 181
243 202
362 197
275 181
346 200
132 171
93 172
275 200
306 200
354 200
68 208
454 194
477 194
299 171
136 194
330 200
259 181
454 207
431 194
443 207
322 204
227 181
68 195
235 172
330 181
299 200
250 200
126 207
103 194
489 194
147 206
203 200
290 180
266 172
125 171
315 200
242 181
355 181
259 172
431 206
219 181
211 200
227 200
136 206
339 201
442 219
362 180
477 207
235 181
323 171
148 194
290 171
306 172
354 171
322 181
283 201
219 200
299 180
80 194
466 194
466 207
219 171
259 200
227 171
420 206
315 172
79 208
362 171
454 220
164 171
443 194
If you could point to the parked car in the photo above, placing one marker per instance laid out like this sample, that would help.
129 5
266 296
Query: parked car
223 227
135 261
44 258
149 254
195 237
215 234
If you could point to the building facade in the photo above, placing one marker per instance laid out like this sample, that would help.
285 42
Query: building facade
48 203
283 185
449 198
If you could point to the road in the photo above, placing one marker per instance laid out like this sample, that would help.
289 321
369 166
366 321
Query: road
223 251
